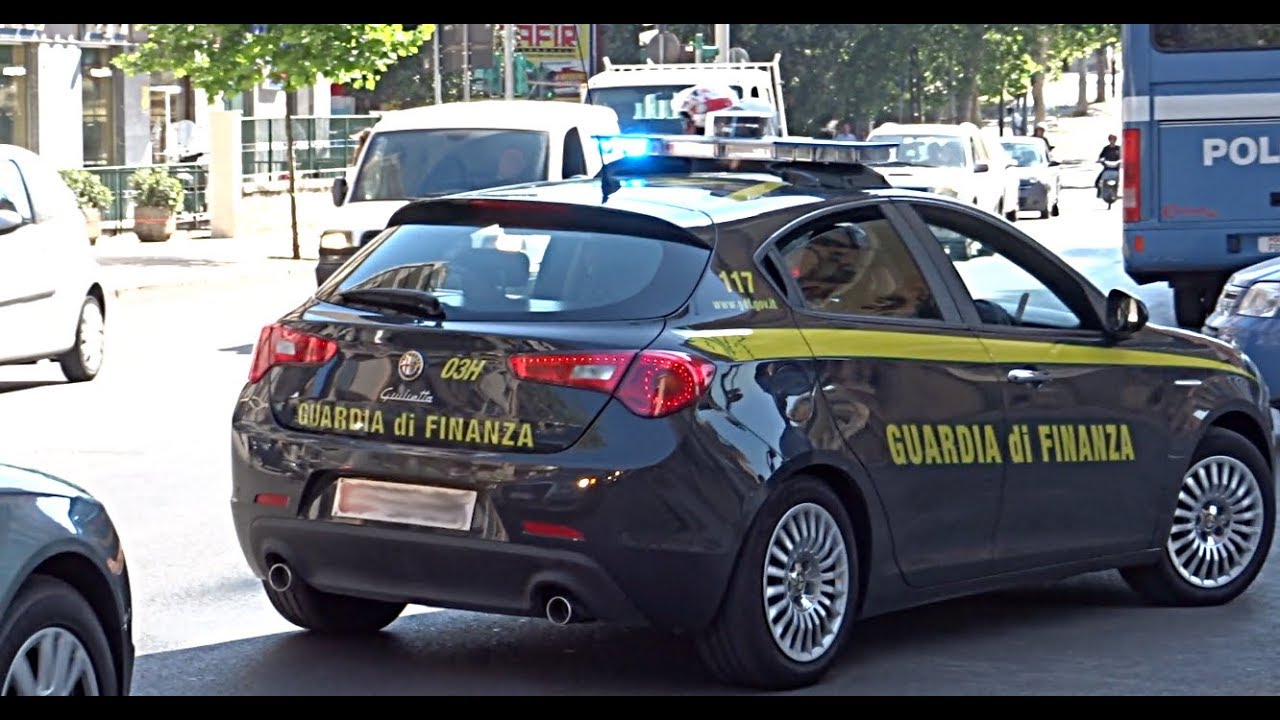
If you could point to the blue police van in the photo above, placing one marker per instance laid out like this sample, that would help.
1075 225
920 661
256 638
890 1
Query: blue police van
1201 156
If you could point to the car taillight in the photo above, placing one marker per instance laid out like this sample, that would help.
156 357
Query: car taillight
652 383
1131 169
281 345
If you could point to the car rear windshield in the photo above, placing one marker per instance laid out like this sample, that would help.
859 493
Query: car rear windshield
644 109
921 150
528 274
410 164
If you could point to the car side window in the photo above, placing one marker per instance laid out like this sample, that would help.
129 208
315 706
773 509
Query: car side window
857 264
1005 290
13 190
575 161
979 152
50 197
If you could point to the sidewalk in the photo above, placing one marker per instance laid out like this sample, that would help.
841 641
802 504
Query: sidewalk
188 259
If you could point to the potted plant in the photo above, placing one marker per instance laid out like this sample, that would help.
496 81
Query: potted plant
157 197
92 195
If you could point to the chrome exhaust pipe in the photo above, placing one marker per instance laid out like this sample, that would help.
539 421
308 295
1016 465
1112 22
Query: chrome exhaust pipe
559 610
280 577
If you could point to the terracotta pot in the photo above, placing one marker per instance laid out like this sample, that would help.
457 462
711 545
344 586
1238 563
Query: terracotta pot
93 218
153 224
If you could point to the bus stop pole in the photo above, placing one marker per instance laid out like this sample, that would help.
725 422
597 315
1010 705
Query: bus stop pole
435 65
508 61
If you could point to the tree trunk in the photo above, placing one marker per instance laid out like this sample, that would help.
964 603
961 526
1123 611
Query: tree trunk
968 87
293 183
1082 76
1100 62
1037 80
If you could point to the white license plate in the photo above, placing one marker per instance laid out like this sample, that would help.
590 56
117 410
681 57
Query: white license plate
1269 244
421 505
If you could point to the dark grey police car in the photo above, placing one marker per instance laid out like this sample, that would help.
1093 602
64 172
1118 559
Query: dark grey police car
736 388
66 625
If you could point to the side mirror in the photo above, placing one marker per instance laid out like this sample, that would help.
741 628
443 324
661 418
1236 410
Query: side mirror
1125 314
1054 163
981 167
10 221
339 191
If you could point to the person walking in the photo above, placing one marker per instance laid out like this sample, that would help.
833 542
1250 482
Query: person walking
846 132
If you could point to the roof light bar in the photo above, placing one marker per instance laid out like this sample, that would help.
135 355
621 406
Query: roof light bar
786 149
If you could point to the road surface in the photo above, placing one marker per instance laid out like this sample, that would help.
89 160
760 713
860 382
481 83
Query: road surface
150 437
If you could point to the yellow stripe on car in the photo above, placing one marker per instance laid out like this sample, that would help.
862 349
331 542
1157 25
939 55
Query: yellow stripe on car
755 191
786 343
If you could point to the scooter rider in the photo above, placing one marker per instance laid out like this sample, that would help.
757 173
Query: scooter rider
1110 153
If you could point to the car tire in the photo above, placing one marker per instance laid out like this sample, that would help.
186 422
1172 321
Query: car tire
1054 211
83 361
48 613
1205 505
329 614
739 646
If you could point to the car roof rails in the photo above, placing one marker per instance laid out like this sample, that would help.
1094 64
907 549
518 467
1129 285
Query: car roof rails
829 164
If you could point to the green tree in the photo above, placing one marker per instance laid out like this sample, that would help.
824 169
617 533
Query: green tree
228 59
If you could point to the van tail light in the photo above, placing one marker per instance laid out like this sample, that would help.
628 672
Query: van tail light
1131 170
281 345
652 383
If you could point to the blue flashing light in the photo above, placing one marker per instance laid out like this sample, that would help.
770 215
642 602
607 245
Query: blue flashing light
793 149
626 146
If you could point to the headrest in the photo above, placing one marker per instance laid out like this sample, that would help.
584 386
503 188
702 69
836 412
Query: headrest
503 268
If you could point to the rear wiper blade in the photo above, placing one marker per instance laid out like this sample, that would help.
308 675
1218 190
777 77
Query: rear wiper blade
898 163
414 301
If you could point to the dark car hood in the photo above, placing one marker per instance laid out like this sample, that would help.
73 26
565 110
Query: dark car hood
24 481
1265 270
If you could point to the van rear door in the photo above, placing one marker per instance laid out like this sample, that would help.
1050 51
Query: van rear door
1217 169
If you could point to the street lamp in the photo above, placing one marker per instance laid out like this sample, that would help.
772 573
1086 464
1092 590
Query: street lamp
169 91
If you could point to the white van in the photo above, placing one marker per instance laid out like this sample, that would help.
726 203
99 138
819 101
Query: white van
458 147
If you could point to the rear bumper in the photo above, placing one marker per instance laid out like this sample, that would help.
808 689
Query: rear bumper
1033 197
440 571
1170 250
661 514
329 261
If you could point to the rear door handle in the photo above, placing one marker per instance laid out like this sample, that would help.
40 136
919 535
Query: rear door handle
1024 376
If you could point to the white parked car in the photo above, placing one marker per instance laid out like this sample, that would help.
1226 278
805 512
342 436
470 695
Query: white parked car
52 300
1039 182
458 147
959 161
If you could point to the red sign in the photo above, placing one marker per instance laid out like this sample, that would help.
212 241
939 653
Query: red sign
547 37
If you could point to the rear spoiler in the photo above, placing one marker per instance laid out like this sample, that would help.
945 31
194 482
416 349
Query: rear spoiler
541 215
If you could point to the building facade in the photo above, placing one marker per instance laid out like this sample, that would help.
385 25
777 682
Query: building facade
61 96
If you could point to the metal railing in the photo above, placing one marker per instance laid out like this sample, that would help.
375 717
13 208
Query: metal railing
194 178
323 145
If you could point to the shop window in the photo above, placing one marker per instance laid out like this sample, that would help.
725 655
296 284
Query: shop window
98 90
13 95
